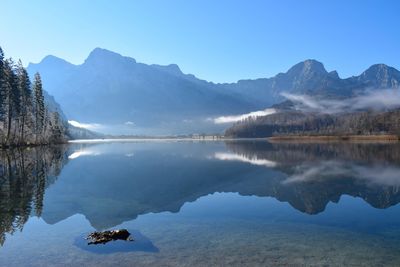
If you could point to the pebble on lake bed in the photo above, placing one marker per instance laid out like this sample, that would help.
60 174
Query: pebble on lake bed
107 236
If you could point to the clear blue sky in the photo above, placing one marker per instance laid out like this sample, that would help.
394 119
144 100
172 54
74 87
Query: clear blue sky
217 40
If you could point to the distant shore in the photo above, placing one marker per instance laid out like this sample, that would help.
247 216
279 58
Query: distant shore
273 139
141 139
333 138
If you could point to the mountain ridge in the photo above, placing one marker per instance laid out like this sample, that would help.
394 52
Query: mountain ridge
110 89
102 51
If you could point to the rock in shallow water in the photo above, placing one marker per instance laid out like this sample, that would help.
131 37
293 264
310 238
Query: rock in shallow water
107 236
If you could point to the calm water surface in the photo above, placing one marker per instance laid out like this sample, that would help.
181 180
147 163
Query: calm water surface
233 203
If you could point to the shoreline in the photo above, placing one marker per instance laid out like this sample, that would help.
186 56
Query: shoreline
335 138
27 146
105 140
272 139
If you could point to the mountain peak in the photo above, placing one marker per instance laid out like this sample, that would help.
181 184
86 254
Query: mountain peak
314 65
378 68
98 51
171 68
174 67
101 55
334 74
50 59
307 68
382 76
52 63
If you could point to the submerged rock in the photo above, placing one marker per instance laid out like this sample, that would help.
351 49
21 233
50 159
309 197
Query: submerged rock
107 236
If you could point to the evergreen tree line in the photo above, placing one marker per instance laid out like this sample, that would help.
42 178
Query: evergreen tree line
24 116
314 124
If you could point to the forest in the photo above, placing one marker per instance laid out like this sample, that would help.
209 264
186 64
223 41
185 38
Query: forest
285 123
25 118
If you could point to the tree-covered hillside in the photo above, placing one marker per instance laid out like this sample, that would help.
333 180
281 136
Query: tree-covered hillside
314 124
25 117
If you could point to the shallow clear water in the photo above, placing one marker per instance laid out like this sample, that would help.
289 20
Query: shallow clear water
234 203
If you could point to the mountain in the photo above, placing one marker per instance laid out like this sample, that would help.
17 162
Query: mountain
310 77
324 104
380 76
111 89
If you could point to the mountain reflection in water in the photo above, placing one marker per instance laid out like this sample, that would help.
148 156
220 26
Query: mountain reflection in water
316 174
116 182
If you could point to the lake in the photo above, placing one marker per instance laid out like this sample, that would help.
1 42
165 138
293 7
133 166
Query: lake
202 203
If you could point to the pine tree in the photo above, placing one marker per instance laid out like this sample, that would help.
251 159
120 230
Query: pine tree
15 99
12 104
57 128
2 85
24 85
39 108
24 117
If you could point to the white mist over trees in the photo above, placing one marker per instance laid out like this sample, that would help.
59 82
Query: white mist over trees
24 117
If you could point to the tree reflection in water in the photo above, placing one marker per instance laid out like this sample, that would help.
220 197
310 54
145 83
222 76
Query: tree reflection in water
25 173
